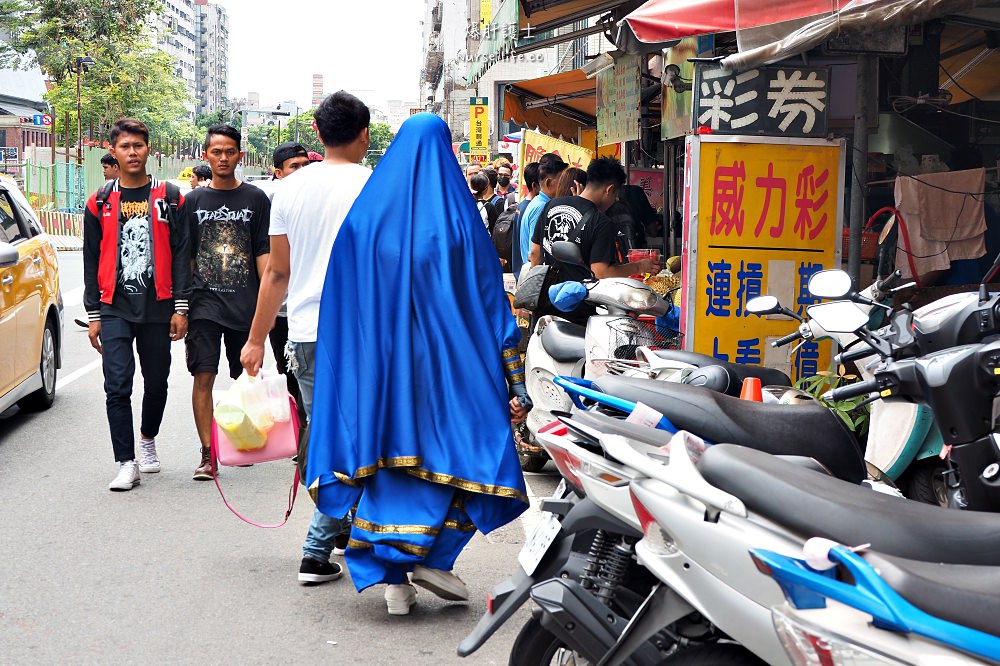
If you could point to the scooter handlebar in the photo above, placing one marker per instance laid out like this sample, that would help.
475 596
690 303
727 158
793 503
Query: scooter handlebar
851 391
888 282
791 337
864 350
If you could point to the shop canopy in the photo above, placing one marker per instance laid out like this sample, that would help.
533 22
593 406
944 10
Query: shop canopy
969 61
560 104
522 26
772 30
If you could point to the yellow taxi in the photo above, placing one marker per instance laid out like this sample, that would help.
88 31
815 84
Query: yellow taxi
31 308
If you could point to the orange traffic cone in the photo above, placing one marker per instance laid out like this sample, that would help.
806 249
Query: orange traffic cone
751 390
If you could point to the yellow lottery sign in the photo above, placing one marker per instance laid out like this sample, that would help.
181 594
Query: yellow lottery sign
535 145
762 215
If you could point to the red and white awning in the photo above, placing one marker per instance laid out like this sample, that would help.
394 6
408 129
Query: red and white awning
771 30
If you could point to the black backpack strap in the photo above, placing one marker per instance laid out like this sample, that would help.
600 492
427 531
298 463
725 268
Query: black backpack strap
173 199
102 194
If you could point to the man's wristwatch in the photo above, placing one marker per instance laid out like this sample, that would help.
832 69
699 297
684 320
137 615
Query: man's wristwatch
182 313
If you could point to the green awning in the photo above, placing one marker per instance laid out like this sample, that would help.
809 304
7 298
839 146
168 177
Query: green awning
464 148
498 40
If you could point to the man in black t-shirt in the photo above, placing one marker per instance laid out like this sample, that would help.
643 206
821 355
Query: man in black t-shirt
228 224
581 219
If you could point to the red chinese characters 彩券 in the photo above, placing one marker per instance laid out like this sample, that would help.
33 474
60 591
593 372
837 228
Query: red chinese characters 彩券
729 192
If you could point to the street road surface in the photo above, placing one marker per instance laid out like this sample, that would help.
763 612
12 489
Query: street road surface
165 574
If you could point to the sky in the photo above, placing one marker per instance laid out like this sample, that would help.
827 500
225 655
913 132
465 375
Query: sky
372 48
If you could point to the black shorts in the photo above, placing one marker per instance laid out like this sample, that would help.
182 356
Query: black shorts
203 347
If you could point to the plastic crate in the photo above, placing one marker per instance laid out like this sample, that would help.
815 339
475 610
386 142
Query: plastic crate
869 245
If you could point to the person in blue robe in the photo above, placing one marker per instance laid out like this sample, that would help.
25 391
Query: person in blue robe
416 363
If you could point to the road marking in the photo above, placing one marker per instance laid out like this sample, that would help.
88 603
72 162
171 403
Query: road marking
75 375
73 297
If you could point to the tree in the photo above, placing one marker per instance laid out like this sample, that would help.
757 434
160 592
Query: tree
381 136
139 83
52 33
131 78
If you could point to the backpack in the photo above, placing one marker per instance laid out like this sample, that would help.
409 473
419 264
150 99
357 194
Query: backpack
503 234
173 198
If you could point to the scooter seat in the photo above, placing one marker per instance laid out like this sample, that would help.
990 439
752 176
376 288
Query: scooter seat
564 341
958 593
798 430
738 371
814 505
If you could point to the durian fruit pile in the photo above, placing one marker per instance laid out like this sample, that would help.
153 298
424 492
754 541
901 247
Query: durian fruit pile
667 279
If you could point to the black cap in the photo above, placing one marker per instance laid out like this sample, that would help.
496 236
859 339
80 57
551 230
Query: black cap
288 150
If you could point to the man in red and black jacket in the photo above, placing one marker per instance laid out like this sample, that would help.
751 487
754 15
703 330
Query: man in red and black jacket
137 281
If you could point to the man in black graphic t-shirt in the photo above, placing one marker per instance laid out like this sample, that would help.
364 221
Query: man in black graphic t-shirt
228 223
137 279
581 219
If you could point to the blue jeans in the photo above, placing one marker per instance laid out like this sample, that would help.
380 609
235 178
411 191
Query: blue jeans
152 343
323 529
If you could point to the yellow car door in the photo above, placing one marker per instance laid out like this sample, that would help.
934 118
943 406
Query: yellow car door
9 260
22 285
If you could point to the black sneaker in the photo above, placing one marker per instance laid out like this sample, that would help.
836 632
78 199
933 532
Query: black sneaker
313 572
340 543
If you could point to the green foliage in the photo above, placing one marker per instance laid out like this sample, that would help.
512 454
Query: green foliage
228 116
853 412
138 83
381 136
131 78
52 33
263 139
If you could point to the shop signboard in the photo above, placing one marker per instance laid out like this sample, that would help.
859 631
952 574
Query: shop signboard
651 182
479 126
535 145
618 102
773 101
675 111
761 215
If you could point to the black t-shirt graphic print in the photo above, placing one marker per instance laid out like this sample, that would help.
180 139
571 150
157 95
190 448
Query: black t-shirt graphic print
229 230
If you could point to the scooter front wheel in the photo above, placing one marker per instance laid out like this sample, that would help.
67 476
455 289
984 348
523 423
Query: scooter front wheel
536 646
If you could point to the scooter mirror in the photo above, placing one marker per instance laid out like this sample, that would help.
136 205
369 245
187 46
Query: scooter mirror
830 284
568 252
839 316
763 305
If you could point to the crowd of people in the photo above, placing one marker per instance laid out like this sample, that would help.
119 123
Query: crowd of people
361 279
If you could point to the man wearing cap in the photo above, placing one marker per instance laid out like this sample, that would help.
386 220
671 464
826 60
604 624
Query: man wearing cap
289 157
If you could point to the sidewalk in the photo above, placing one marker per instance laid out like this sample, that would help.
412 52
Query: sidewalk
67 242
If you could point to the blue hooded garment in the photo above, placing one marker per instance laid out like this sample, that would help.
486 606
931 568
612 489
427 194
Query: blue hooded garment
416 339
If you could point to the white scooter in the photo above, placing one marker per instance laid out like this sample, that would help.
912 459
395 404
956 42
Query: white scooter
558 347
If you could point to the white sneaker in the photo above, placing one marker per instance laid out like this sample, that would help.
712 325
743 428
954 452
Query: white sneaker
399 598
127 478
444 584
148 462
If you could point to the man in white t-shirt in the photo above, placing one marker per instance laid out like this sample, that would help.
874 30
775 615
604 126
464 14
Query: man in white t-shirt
306 214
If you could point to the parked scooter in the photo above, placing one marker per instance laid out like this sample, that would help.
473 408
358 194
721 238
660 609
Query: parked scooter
584 537
849 607
611 586
697 517
559 347
903 439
